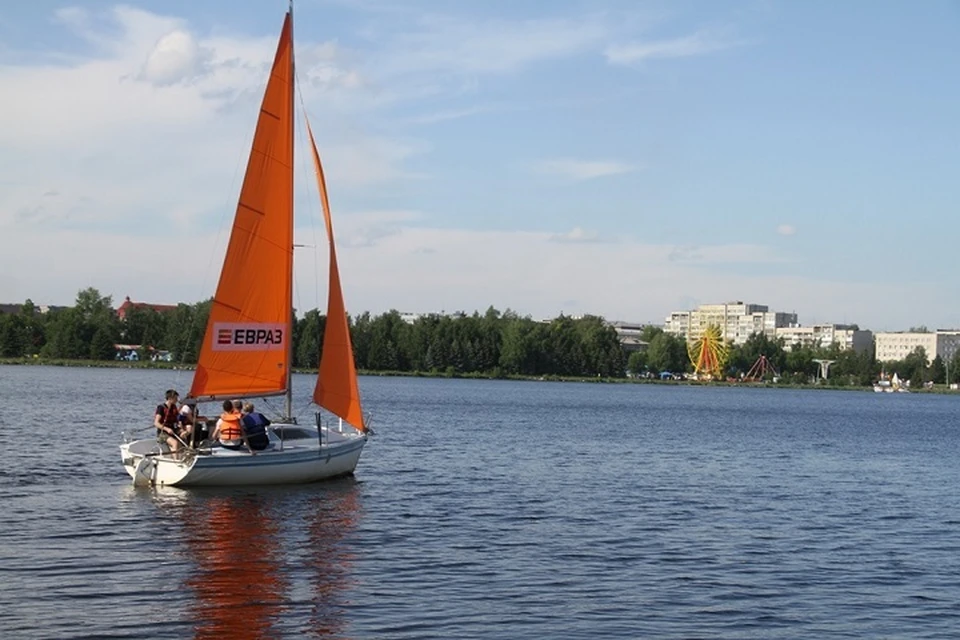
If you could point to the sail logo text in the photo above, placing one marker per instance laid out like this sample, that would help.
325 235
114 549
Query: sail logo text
248 336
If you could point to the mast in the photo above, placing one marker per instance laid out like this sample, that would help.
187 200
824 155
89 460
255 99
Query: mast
288 410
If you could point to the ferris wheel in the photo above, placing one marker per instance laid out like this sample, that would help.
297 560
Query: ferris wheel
708 353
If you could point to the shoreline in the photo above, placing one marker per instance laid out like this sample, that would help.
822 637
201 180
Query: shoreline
115 364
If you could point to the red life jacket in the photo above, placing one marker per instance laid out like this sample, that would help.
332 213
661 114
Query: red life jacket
169 417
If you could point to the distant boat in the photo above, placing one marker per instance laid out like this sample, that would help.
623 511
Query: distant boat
247 347
889 385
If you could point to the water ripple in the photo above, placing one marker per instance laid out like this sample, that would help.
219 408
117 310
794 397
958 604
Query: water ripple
490 509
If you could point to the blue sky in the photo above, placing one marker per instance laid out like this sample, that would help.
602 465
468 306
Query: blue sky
619 158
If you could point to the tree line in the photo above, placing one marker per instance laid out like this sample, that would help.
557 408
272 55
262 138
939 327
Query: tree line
495 344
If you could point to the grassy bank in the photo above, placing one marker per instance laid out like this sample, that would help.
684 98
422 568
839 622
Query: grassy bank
117 364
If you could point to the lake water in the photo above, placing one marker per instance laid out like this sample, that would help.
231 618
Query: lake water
494 509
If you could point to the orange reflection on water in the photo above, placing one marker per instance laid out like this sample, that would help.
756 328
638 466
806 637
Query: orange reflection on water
262 558
237 586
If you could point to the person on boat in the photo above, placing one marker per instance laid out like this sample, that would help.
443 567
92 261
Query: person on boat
255 426
165 419
188 421
229 429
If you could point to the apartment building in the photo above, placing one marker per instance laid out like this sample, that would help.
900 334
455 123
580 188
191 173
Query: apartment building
898 345
737 321
823 335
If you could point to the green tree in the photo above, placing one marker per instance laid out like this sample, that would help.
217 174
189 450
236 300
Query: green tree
11 343
145 326
33 335
102 344
93 307
855 368
386 334
360 334
667 353
954 368
937 371
185 328
418 347
800 362
915 366
637 362
565 348
649 332
308 339
520 351
65 337
603 355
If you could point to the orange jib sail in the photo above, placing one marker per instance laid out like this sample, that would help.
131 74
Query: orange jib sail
337 388
246 348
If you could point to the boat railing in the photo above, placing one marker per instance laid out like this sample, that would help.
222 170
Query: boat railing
131 435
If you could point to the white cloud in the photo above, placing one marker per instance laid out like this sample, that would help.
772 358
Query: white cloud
577 234
368 228
449 114
442 44
177 57
786 230
76 18
153 126
431 269
624 279
582 169
693 45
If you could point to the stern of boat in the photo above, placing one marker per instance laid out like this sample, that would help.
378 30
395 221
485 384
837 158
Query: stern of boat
150 463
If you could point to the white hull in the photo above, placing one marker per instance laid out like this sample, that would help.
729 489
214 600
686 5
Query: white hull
298 458
878 388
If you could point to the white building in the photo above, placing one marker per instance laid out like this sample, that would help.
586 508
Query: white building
898 345
737 321
823 335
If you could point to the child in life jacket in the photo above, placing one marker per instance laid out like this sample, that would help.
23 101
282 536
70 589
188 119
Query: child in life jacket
229 430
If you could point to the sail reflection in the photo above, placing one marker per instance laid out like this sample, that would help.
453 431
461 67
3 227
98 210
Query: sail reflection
265 562
237 584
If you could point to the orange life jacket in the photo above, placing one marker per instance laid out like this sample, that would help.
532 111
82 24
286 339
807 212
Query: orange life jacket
230 426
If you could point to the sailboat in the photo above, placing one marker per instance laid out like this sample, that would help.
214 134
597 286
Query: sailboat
890 385
247 349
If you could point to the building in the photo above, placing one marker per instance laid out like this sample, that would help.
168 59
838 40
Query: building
892 346
629 335
737 321
128 305
846 336
132 352
410 317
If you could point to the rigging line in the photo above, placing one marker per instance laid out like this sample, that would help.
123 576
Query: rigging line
296 282
313 216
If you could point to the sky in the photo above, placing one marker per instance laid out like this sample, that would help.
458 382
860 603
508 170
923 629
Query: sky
618 158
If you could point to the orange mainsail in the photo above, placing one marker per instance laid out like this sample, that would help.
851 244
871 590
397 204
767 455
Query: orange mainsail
337 389
246 347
